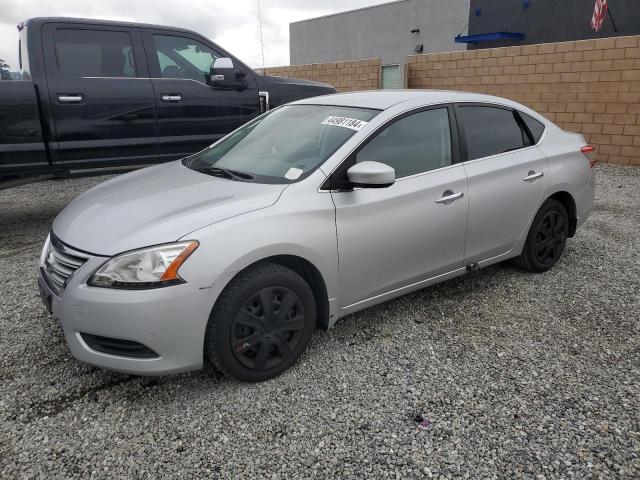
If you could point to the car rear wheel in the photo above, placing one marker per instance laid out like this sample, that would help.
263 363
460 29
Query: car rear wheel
546 239
261 324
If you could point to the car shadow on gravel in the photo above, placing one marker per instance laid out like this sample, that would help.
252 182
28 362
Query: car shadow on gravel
521 368
91 384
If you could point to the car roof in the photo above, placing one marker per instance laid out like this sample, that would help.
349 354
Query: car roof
94 21
384 99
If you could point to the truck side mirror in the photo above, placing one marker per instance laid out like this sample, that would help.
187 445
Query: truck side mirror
224 75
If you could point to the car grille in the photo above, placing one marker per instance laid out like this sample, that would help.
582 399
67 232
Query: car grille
60 263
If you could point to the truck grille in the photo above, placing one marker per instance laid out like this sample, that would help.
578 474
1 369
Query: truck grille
60 263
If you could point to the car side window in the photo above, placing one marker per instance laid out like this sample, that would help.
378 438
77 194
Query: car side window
535 127
490 130
94 53
181 57
414 144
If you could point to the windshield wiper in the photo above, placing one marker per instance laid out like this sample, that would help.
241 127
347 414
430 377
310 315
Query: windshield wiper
244 176
224 173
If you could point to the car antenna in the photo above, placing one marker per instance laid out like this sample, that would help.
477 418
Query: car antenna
261 40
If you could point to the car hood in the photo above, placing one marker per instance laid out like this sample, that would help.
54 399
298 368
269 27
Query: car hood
155 205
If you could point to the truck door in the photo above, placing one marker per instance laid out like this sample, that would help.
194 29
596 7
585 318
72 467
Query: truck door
101 95
191 114
22 146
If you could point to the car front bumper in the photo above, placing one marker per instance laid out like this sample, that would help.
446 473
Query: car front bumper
170 321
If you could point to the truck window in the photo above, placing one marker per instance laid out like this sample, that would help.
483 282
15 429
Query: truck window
94 53
181 57
23 55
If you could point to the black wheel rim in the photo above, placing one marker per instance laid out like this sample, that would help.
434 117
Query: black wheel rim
267 328
550 238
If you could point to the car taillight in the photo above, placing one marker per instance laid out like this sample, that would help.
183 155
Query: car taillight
586 150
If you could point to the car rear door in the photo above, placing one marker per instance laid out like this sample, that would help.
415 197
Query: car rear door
390 238
191 114
507 176
101 95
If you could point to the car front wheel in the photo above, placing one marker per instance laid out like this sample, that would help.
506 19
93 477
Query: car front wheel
261 324
546 239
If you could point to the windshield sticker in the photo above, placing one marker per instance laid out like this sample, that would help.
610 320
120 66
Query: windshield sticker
345 122
293 174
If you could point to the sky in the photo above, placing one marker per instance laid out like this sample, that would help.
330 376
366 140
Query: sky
233 24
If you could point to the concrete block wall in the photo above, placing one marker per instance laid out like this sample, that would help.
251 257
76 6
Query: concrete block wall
587 86
344 75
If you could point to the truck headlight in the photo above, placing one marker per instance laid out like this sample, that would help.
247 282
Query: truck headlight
151 267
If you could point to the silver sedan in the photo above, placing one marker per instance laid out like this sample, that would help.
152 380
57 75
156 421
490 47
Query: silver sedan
306 214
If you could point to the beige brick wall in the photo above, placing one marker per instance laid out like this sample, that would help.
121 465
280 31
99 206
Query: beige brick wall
587 86
345 76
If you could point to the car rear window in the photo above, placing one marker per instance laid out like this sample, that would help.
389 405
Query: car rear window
490 130
535 127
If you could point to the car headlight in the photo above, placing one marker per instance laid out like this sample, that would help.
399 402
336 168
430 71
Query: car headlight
151 267
45 250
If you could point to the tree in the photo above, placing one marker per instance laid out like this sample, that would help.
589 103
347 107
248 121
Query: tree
4 70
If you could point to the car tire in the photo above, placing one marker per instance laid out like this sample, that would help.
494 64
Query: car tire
546 238
249 336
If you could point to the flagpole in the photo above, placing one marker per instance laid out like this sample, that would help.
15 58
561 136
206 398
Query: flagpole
615 29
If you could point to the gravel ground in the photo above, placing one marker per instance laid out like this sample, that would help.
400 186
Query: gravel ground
516 375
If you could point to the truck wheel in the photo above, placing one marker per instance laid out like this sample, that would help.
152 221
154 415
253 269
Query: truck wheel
261 324
546 239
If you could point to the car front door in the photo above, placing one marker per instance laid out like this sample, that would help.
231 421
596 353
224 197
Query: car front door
390 238
506 175
192 114
101 96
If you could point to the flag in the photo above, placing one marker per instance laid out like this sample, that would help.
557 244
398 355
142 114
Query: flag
599 11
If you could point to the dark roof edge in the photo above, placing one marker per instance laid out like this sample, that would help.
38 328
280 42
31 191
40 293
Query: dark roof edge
95 21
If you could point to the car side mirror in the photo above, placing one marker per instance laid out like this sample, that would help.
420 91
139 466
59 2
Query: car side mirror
371 175
224 75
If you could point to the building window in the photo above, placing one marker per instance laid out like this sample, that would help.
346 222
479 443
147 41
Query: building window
390 76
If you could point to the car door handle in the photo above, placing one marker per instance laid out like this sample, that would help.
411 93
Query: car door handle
531 176
171 97
449 197
69 98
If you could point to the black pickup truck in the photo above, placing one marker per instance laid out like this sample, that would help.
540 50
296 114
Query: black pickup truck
102 93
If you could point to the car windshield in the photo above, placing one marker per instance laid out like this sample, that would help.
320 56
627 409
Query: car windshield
282 146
